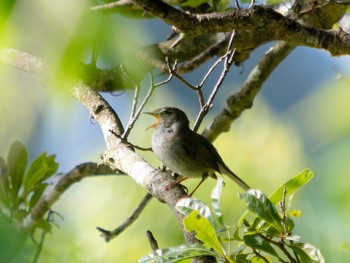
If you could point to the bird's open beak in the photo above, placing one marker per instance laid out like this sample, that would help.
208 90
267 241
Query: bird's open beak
154 115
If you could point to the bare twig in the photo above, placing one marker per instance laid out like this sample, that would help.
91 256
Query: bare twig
132 113
108 235
243 99
135 115
228 63
260 256
281 246
283 204
172 71
152 241
211 69
164 81
252 3
237 5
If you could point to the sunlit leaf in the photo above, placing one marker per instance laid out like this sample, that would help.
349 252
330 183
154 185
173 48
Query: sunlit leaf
307 252
346 246
273 2
16 161
260 205
5 12
187 205
41 168
44 225
292 185
204 230
295 213
4 184
178 254
289 224
37 195
215 199
222 5
255 241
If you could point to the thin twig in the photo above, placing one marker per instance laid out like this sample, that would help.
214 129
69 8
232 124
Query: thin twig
136 115
164 81
243 99
211 69
283 206
173 72
280 245
108 235
260 256
252 3
132 113
152 241
228 63
237 5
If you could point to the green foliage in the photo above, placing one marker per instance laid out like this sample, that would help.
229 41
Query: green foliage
267 235
20 190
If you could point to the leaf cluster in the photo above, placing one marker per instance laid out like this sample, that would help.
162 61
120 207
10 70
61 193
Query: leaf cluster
21 188
266 236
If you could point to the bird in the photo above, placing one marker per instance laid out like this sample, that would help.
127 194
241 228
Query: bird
184 151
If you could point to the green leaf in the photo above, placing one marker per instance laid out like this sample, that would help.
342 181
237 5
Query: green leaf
253 240
205 231
4 184
222 5
16 161
44 225
12 240
292 185
346 246
187 205
295 213
215 199
42 168
260 205
40 188
307 252
177 254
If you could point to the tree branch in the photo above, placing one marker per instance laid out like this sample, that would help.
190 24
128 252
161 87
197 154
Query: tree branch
108 235
262 20
46 202
120 156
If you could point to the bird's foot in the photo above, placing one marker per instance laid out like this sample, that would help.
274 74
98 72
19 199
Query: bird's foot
178 182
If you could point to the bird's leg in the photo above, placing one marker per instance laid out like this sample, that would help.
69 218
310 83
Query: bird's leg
204 177
177 182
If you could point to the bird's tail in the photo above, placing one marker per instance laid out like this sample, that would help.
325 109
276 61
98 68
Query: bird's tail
234 177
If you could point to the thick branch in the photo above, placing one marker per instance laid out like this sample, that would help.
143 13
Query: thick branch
263 20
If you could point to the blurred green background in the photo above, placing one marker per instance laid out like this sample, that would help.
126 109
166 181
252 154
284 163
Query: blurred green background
301 119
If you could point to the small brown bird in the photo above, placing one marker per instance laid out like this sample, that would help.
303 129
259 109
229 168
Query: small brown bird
184 151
